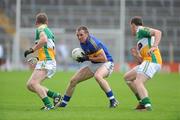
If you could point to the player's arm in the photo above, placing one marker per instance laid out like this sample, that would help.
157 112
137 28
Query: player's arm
157 34
100 56
42 41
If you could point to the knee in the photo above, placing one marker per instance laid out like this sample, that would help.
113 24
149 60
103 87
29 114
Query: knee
98 77
126 78
30 85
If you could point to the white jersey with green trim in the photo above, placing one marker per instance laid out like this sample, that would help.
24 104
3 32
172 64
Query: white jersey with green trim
144 43
47 52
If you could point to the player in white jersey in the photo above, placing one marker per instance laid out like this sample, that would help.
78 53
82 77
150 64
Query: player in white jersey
46 65
149 58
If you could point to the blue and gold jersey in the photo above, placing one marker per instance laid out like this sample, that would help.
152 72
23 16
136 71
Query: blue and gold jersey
144 43
47 52
94 46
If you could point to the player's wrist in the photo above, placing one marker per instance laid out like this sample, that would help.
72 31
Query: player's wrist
31 50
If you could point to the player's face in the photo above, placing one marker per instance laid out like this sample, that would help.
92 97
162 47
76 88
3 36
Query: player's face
133 29
82 36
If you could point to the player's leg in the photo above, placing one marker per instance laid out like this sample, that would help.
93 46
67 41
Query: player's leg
81 75
34 84
31 88
54 95
142 91
99 75
129 77
51 69
145 71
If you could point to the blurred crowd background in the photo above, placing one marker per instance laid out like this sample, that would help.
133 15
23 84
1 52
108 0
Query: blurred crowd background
107 19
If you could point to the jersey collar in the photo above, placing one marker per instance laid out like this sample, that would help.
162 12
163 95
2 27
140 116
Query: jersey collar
42 26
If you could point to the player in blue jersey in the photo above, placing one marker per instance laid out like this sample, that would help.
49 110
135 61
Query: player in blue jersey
100 66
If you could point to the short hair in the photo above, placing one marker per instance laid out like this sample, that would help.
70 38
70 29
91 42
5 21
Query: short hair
41 18
84 28
137 20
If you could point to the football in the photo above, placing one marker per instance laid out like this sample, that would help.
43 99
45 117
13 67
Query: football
77 52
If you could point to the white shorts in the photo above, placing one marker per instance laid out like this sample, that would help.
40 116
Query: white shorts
49 65
109 65
148 68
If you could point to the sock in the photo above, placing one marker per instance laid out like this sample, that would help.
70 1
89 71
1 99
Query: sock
52 94
65 100
146 102
110 95
46 102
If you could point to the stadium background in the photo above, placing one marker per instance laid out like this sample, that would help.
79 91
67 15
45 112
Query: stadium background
107 19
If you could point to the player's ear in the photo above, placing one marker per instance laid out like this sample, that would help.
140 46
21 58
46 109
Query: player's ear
36 23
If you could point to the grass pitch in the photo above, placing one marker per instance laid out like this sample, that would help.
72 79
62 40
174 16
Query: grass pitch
88 101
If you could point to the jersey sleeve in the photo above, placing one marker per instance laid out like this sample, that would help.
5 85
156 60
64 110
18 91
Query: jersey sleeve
96 45
145 32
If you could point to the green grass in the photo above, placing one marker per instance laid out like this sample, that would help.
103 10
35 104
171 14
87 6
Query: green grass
88 101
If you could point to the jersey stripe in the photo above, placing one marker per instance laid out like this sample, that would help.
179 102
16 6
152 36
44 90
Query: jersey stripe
146 67
97 53
47 53
93 43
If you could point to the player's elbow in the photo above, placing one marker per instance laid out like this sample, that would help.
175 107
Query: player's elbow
158 32
126 77
44 40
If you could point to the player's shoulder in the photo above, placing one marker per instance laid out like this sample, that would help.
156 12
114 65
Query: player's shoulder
144 31
142 28
94 39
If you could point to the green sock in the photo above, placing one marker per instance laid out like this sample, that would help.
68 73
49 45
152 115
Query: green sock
46 102
52 94
146 101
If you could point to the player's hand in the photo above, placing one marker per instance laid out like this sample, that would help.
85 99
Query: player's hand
82 59
27 52
151 50
134 52
138 59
